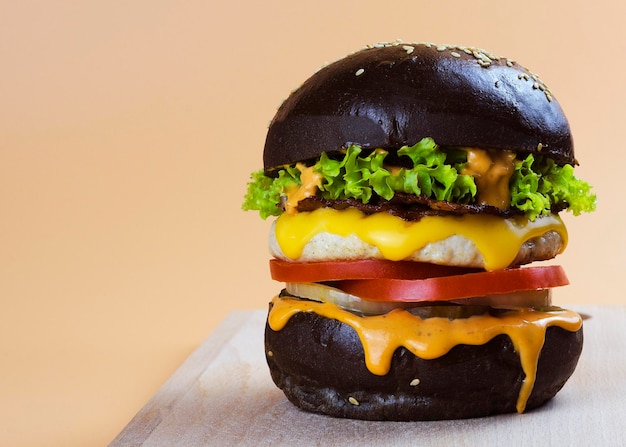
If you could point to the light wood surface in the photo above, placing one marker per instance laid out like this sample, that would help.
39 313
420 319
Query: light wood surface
223 395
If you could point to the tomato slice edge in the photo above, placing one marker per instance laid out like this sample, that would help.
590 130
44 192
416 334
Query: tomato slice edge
286 271
458 286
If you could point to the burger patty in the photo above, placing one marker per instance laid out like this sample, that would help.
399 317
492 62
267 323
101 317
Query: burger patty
455 250
410 207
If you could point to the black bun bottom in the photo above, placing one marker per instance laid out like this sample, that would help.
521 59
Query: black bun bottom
319 364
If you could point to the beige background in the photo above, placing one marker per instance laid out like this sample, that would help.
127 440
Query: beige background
128 130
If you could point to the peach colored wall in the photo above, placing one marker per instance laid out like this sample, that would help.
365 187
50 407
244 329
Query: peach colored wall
127 134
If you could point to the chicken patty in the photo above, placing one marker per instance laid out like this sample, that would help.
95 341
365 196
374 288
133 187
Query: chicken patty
455 250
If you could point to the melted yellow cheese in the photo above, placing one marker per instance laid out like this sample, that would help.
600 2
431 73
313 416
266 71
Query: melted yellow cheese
492 172
431 338
497 239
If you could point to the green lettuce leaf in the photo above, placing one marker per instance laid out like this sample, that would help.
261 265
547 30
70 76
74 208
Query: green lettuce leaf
536 184
264 193
359 177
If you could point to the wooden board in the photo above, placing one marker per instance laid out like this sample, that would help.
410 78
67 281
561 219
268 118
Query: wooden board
223 395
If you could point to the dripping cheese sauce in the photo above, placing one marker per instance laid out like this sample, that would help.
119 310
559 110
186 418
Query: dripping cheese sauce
310 182
492 172
497 239
431 338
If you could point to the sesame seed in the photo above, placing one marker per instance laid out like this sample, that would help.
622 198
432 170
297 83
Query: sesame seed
415 382
478 55
490 55
539 147
270 353
353 401
482 57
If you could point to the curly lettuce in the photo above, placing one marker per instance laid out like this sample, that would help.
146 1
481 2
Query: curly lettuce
432 175
264 193
536 184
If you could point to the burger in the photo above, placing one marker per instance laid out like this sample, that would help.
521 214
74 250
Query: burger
411 186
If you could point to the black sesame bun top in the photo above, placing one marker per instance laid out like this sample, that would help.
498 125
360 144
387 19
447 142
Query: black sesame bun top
391 95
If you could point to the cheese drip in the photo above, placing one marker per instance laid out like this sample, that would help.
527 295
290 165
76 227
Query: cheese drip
497 239
310 182
492 172
431 338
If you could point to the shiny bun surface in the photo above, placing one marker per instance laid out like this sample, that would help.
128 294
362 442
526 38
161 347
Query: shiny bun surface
319 364
391 95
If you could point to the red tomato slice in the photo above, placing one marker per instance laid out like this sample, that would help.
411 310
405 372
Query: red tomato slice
446 288
362 269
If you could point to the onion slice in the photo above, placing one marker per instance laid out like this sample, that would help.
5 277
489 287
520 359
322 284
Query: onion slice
328 294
